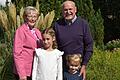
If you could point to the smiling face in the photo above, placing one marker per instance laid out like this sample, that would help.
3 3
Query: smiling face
74 66
69 10
48 41
73 62
30 16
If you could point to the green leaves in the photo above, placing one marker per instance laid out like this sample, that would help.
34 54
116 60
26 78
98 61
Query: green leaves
86 10
104 65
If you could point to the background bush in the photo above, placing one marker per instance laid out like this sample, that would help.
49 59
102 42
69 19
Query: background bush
113 45
104 65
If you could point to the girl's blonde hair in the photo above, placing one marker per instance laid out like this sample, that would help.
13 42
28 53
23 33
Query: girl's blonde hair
73 57
51 32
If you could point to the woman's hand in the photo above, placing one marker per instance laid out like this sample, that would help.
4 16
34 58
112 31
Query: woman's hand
23 78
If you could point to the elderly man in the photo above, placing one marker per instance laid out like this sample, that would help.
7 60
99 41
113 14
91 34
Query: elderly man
73 35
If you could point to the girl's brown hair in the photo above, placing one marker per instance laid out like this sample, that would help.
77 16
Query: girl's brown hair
51 32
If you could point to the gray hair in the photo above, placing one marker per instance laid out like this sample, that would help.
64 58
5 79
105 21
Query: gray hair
28 9
68 1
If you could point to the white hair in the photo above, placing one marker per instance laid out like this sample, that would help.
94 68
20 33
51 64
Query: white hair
70 2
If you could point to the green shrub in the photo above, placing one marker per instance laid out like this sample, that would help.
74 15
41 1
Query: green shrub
104 65
113 45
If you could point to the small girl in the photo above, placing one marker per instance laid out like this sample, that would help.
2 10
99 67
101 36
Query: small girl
48 61
73 70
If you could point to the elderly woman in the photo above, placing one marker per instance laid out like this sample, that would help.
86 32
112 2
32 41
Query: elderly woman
25 41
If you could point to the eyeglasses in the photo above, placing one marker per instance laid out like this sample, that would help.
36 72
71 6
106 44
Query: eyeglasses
30 17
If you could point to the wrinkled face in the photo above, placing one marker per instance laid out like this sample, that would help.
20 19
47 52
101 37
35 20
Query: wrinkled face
48 41
31 18
74 66
69 11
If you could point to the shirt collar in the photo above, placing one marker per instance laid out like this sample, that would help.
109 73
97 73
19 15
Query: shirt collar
29 27
71 20
74 18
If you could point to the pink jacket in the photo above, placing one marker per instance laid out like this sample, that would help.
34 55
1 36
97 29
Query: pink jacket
23 50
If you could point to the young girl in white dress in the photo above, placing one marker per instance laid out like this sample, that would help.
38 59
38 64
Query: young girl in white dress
48 61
